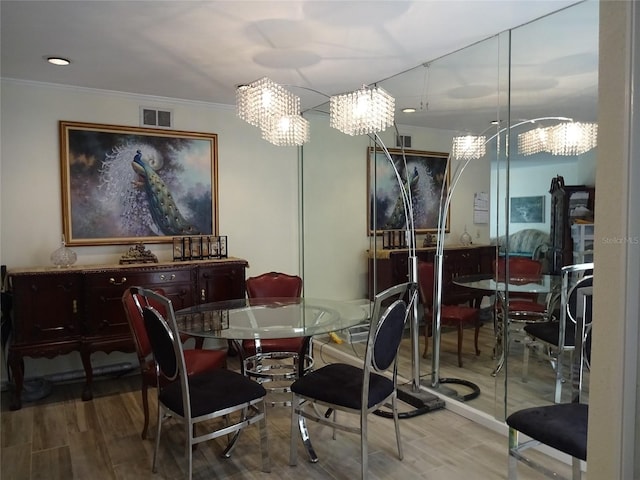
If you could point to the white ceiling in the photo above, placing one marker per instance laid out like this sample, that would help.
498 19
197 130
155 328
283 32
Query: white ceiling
202 50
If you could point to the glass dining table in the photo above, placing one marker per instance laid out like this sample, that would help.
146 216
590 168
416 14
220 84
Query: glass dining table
544 284
264 318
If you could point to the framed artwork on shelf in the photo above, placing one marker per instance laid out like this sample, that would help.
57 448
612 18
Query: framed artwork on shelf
428 175
527 209
123 185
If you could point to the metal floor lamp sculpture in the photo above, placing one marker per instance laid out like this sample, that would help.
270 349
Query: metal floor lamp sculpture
423 402
445 194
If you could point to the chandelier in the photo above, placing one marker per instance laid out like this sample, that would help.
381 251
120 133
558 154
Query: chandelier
468 147
365 111
533 141
258 102
570 138
287 130
276 111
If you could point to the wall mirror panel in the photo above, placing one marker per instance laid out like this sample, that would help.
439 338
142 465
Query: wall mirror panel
547 68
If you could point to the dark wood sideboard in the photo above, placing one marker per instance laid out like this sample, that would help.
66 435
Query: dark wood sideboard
58 311
393 268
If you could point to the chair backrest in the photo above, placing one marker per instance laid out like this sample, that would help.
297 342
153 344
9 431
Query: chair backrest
385 333
575 307
133 304
274 284
518 267
162 341
164 337
425 283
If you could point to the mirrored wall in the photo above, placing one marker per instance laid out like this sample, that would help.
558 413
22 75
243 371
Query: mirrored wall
544 70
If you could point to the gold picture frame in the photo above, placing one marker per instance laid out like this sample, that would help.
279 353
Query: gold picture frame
123 185
428 171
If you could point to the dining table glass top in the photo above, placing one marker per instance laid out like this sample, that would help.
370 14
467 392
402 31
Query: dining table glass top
521 284
271 317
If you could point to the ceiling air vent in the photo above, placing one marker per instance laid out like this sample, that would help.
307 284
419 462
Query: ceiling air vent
403 141
153 117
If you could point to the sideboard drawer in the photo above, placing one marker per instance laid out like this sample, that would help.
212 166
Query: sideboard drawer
124 279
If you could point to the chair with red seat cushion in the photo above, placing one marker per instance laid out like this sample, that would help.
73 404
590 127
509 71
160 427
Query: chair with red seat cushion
457 316
262 359
524 306
197 360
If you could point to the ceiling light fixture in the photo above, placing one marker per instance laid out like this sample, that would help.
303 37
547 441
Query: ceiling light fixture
260 101
573 138
570 138
288 130
58 61
468 147
409 110
365 111
276 111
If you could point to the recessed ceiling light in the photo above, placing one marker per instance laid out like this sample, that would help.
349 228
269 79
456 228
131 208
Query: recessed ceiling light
58 61
408 110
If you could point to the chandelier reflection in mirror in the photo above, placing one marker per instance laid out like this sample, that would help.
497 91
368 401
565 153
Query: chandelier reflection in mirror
276 111
468 147
571 138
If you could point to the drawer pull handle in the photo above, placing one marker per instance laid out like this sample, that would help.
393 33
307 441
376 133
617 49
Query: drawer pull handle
202 295
169 278
75 306
122 281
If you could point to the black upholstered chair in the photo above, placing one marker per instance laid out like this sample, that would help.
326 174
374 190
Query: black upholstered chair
356 390
197 359
556 338
198 398
562 426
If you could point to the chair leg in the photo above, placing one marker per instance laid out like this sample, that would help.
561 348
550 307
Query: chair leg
576 471
512 461
145 409
460 344
558 393
154 467
264 440
189 447
525 361
364 452
293 447
476 334
394 406
426 341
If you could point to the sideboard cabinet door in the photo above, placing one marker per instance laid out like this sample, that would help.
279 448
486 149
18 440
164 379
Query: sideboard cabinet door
48 310
46 320
221 282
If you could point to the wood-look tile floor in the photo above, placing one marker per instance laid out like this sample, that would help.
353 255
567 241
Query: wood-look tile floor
62 437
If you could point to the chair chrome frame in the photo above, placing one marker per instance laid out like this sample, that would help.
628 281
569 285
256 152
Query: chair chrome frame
549 418
573 278
389 306
169 356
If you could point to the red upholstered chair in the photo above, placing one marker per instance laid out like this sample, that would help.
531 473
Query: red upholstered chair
197 360
457 316
263 359
522 306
